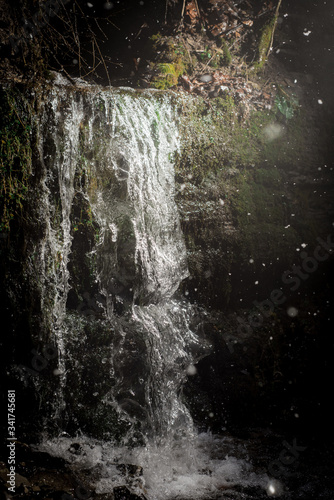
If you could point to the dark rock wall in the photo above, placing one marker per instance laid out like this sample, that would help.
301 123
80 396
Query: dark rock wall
256 210
249 202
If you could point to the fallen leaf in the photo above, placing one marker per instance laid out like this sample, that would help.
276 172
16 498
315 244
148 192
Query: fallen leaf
191 11
219 28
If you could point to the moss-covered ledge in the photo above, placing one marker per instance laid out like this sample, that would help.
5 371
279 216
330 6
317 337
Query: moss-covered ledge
244 194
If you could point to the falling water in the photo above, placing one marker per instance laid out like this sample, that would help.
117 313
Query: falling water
125 336
143 138
114 149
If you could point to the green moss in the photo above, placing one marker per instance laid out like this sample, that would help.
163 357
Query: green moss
234 196
15 155
264 44
167 69
261 208
168 75
206 55
216 138
155 39
171 60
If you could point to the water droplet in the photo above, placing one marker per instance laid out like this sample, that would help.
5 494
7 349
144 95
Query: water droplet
191 370
206 78
292 312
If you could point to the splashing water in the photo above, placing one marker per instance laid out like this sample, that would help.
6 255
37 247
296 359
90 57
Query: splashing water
108 154
113 151
203 470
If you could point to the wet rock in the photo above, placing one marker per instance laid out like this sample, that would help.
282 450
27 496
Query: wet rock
123 493
133 476
75 448
205 78
130 469
40 475
250 492
132 408
59 495
23 489
21 480
39 458
123 169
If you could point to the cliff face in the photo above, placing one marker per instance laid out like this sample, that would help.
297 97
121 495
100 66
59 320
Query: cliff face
95 222
248 196
81 242
92 255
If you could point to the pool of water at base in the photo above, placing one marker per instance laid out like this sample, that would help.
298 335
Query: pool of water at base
209 468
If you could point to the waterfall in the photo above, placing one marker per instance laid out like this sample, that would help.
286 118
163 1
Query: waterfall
108 158
60 168
110 262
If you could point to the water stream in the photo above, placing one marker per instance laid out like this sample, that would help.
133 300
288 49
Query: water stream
111 262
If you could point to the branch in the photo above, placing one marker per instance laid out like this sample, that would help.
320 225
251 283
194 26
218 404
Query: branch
274 27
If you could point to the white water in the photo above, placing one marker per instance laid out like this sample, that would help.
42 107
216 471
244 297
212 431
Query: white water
203 470
138 139
122 145
115 150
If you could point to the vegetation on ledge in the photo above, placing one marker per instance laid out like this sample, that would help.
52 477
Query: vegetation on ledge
235 193
15 155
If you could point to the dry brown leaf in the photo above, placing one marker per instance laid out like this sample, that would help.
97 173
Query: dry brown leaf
219 28
191 11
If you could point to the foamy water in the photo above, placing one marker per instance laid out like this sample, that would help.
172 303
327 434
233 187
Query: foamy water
199 470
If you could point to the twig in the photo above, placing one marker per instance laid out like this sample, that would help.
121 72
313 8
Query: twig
113 24
274 27
103 61
183 7
207 64
197 8
189 55
93 48
66 43
92 70
238 40
97 24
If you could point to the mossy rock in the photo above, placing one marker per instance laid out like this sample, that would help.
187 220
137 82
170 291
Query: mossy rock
264 44
15 154
168 75
170 61
235 195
